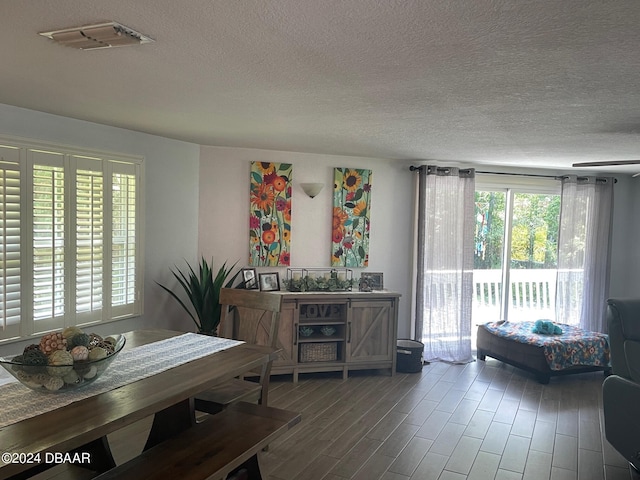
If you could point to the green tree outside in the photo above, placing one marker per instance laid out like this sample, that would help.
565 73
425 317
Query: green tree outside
534 241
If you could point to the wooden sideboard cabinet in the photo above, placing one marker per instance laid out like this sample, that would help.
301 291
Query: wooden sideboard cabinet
337 331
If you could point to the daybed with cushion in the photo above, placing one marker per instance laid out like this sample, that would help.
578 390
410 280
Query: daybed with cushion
573 351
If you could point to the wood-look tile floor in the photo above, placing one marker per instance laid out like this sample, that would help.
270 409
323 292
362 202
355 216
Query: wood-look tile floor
480 421
484 420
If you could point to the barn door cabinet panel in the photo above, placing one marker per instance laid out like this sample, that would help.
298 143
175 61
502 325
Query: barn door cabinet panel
372 327
340 331
286 335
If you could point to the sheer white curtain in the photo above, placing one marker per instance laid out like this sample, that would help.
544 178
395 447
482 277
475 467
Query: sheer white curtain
584 251
444 287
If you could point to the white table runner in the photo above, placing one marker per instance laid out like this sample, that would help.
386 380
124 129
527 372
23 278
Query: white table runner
18 402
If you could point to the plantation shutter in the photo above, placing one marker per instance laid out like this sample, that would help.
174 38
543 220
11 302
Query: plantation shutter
70 238
10 243
48 240
124 233
89 239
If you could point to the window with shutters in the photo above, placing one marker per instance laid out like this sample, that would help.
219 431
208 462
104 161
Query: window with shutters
70 249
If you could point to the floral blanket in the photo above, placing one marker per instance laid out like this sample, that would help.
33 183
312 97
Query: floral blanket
573 347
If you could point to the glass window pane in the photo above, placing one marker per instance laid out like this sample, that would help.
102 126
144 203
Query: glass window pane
489 240
533 240
534 245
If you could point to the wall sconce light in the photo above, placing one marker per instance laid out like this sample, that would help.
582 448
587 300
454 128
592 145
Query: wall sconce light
312 189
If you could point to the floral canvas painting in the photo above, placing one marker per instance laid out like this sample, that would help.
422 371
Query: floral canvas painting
351 208
270 214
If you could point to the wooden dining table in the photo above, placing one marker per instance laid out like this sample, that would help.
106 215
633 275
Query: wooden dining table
81 427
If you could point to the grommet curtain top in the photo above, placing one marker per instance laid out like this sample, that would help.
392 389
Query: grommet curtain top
470 172
443 171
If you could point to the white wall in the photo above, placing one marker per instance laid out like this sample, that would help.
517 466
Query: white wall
224 213
171 200
625 254
224 207
197 201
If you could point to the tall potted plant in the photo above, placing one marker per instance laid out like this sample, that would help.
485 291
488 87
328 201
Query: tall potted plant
203 293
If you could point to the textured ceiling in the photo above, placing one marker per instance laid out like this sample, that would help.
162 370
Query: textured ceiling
540 83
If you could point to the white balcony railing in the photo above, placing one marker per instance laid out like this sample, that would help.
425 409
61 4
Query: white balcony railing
532 295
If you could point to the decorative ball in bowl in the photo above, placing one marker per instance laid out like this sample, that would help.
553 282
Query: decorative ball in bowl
328 330
306 331
64 361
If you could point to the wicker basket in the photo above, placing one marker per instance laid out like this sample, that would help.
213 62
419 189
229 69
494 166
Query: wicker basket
318 352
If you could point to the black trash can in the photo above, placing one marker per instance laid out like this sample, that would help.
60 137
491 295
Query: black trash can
409 356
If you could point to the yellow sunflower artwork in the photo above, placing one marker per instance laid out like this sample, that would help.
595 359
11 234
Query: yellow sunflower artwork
270 214
351 209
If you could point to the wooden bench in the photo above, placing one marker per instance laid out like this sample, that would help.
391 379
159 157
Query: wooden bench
218 446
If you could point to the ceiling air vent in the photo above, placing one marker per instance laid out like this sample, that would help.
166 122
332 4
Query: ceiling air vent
102 35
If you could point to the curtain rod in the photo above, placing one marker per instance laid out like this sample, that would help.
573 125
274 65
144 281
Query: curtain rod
555 177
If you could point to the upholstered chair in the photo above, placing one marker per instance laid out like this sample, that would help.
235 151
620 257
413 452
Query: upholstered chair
621 390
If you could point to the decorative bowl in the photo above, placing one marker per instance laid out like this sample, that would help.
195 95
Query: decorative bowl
306 331
55 378
328 330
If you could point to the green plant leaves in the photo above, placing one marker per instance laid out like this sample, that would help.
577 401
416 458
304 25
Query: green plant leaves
203 292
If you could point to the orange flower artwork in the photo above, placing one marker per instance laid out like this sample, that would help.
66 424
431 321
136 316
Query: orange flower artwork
351 219
270 214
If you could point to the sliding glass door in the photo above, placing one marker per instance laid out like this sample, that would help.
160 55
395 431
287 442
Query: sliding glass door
516 239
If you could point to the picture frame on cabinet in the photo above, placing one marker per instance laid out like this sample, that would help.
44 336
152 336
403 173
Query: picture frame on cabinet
370 281
250 278
269 282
